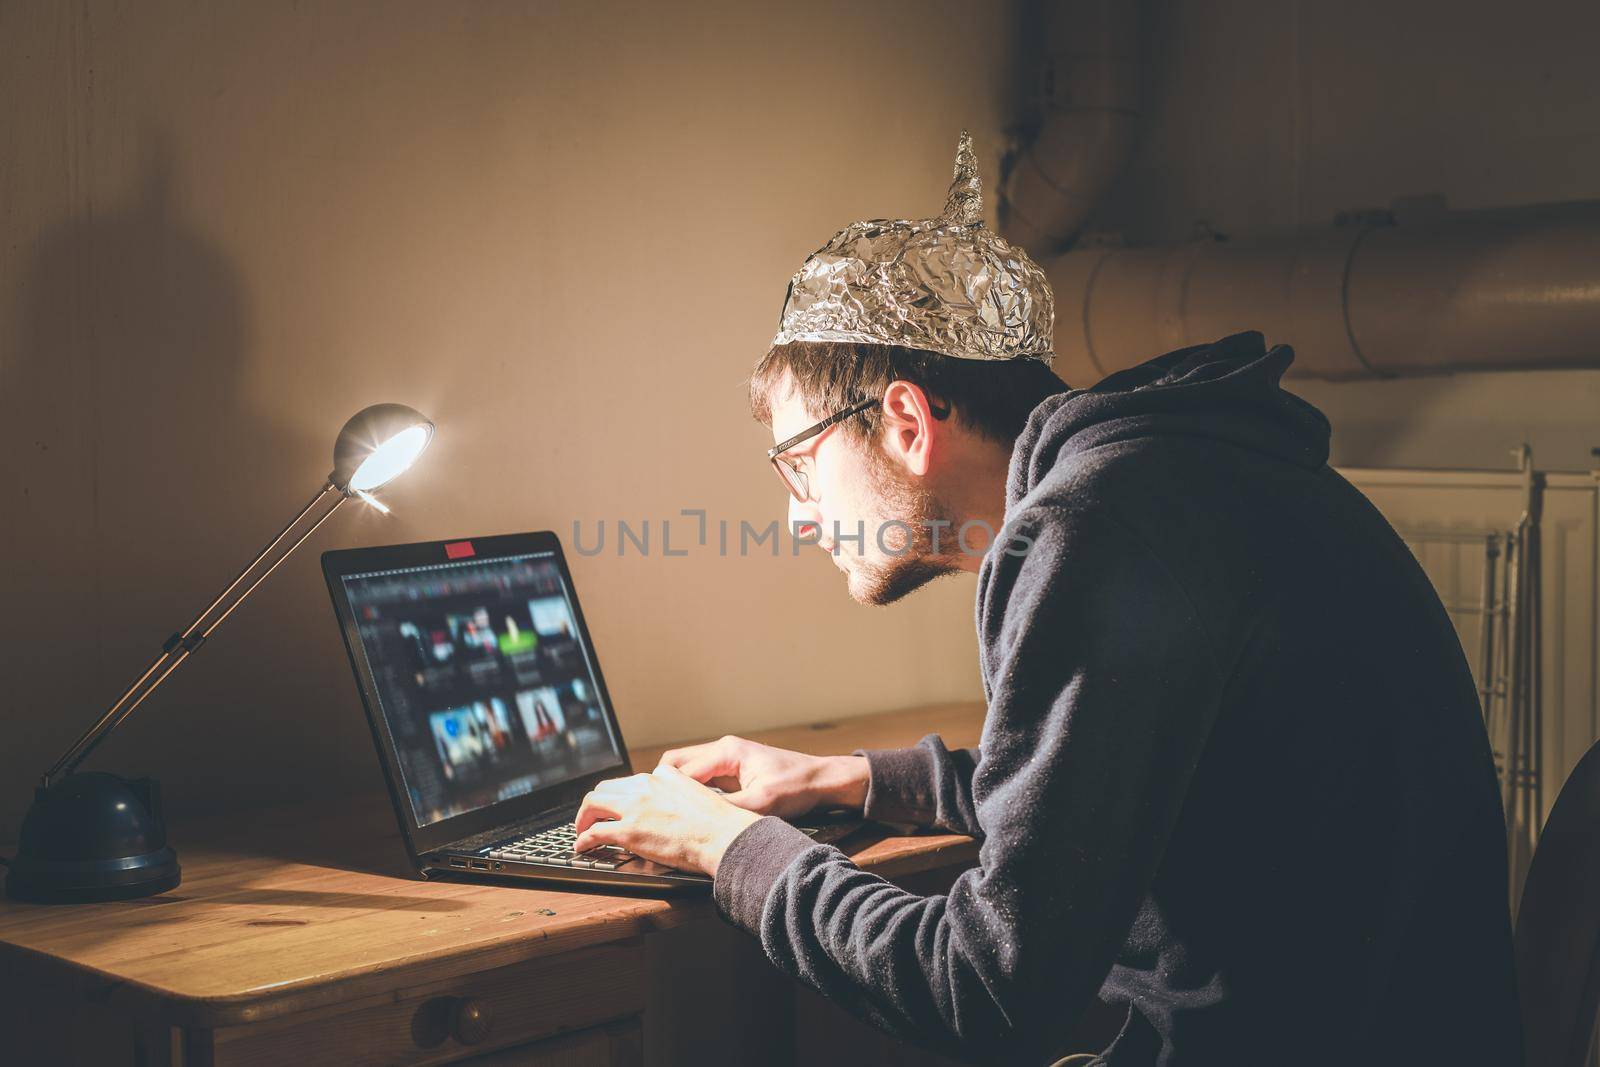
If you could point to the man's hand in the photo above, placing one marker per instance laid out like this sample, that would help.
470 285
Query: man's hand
666 816
774 781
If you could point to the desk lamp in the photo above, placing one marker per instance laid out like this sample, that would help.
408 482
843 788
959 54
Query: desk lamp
97 836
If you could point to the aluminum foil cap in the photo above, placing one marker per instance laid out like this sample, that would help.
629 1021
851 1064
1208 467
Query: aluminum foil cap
944 284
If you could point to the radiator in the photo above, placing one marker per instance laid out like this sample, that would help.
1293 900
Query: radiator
1515 557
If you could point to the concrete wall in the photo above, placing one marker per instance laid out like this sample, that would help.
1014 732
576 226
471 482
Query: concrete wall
563 230
1267 115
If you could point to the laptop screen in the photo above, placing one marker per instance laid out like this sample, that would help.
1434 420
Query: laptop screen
483 678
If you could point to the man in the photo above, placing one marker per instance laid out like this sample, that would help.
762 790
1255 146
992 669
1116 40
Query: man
1233 779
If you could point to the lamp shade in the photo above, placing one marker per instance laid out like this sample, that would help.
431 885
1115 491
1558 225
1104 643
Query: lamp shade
377 445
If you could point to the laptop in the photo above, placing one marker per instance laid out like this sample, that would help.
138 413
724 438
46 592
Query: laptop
488 709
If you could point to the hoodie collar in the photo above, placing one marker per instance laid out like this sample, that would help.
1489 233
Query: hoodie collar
1226 391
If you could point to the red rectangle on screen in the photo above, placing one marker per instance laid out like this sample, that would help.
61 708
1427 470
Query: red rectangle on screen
459 550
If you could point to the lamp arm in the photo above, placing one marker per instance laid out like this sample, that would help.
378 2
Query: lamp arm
180 645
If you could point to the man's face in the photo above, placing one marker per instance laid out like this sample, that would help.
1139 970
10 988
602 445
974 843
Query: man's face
860 487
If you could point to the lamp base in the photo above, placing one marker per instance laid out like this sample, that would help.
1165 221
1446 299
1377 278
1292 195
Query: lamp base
93 837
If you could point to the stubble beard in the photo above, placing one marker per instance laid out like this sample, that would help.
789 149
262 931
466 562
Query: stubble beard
880 581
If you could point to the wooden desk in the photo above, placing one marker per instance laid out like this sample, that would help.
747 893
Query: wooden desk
301 936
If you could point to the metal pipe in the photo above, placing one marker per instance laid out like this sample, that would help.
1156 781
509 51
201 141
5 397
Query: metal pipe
1486 628
1088 98
1533 731
1514 668
1507 289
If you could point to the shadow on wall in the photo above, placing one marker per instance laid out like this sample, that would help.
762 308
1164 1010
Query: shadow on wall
120 407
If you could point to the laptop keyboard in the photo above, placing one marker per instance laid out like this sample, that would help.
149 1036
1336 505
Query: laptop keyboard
554 847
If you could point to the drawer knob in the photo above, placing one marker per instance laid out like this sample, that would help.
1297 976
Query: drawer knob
470 1020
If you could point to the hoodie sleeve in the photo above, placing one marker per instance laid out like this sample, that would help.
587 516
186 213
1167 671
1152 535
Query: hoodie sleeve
925 785
1102 695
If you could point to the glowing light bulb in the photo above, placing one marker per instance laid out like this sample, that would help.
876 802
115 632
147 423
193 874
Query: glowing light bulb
391 458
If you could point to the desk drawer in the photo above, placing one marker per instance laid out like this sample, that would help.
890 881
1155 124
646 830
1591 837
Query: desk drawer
456 1020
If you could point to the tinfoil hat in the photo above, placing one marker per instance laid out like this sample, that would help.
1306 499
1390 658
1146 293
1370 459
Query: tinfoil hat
944 284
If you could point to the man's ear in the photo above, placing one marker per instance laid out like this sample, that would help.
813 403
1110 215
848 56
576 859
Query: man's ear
910 432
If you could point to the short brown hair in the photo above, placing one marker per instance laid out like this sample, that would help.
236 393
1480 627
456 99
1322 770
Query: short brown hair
993 397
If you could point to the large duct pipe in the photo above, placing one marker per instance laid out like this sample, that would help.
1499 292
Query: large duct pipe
1491 290
1089 104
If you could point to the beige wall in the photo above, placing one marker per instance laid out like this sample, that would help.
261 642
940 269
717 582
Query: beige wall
561 229
1268 115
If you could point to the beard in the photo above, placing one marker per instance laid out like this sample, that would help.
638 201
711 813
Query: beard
883 581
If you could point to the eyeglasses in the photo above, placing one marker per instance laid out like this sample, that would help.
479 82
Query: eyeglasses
793 477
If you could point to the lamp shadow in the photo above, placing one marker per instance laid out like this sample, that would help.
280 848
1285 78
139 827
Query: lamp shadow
120 372
285 898
168 909
127 418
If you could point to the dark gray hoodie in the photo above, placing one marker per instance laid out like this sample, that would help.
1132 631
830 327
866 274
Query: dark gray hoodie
1233 775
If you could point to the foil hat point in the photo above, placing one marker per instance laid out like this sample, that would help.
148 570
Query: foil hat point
945 284
963 206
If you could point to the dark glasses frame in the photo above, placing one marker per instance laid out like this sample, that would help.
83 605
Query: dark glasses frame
791 476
